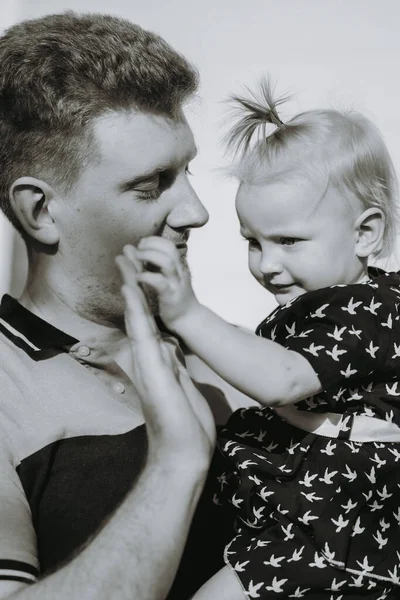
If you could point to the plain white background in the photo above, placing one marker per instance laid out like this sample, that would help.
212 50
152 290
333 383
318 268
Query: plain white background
329 53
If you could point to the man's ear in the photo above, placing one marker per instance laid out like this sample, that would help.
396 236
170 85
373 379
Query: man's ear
369 227
30 199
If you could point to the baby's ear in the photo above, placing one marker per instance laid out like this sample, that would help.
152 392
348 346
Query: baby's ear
369 229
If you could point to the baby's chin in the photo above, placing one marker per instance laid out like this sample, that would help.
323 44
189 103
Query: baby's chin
289 294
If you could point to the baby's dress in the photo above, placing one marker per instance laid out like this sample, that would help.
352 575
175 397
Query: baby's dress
319 516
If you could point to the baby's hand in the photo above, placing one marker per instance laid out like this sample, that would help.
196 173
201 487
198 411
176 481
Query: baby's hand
163 270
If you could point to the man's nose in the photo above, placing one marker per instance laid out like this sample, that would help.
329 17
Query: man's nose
188 211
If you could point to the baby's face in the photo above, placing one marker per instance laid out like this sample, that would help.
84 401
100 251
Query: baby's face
300 239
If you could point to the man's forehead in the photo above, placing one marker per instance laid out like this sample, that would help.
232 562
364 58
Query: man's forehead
144 138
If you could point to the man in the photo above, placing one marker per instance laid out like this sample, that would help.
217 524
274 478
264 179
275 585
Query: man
94 154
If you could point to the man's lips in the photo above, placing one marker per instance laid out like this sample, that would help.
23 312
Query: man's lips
182 248
179 239
181 243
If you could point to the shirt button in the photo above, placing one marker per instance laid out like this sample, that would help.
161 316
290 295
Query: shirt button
119 387
83 351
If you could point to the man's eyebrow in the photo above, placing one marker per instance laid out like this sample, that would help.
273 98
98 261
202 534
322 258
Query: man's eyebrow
131 184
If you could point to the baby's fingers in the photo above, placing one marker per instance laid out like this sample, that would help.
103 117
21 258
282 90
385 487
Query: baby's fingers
154 259
156 281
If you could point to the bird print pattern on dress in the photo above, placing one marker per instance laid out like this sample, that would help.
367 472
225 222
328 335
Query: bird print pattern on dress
318 516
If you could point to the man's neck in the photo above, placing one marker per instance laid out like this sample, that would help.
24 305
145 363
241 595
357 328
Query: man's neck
53 308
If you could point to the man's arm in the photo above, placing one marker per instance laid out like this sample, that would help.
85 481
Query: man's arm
136 554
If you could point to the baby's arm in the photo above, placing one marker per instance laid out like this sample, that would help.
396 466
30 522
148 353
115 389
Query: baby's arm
260 368
224 585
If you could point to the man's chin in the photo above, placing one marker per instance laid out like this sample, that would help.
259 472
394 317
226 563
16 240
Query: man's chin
184 262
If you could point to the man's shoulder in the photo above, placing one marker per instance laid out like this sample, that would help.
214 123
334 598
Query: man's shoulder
14 361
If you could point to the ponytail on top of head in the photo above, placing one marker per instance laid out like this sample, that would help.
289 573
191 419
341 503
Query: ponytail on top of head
340 148
256 113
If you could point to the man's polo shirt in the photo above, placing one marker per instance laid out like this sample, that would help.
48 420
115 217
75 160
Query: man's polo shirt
71 447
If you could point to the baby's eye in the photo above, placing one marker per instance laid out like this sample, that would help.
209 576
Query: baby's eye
251 241
288 241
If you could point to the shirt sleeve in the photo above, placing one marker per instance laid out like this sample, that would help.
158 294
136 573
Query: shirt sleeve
343 331
18 551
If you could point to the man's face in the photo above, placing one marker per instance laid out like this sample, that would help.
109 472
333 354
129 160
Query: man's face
139 187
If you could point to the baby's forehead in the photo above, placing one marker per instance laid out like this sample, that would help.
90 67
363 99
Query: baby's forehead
280 194
293 201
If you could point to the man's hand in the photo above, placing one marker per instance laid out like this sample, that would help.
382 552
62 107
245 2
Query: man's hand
178 418
162 268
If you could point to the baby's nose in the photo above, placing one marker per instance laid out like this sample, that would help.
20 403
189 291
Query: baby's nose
270 267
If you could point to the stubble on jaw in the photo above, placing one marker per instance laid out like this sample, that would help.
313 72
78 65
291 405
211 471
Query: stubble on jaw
106 307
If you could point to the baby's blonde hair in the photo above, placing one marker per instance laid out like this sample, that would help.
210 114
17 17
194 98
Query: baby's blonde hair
342 148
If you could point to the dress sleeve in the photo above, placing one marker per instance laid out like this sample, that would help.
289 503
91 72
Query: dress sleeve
343 331
18 551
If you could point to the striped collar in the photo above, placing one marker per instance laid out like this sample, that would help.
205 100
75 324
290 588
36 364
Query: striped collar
38 338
